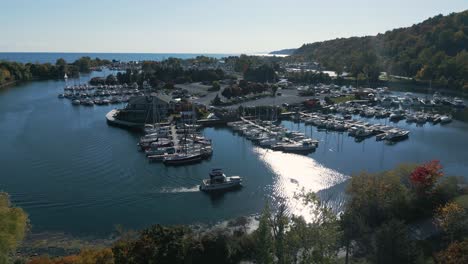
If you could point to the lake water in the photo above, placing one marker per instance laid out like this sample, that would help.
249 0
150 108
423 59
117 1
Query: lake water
51 57
73 173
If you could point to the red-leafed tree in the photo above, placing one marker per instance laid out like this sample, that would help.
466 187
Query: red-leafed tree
425 177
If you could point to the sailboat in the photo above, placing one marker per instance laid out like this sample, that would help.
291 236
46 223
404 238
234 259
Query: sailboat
186 156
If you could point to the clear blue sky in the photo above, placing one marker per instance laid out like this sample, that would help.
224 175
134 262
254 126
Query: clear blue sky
201 26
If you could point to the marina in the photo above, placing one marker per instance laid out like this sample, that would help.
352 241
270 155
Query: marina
90 95
269 135
103 172
173 145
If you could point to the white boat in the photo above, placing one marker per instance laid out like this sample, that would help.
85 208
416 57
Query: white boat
268 142
459 103
445 119
218 181
396 135
299 146
76 102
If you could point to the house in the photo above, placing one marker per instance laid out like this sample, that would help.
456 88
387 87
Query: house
147 109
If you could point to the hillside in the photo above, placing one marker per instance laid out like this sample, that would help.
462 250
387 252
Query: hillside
435 49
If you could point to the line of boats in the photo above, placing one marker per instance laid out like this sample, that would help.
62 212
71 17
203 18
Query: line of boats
355 128
409 100
267 134
90 95
394 115
175 145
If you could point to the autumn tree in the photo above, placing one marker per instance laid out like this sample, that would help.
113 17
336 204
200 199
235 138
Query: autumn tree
425 177
455 253
453 219
13 227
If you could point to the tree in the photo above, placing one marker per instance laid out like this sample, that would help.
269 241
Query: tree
279 223
111 79
453 220
215 86
216 100
13 227
393 244
455 253
274 89
425 177
264 239
319 238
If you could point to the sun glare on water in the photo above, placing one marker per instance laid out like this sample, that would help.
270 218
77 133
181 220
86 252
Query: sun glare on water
295 173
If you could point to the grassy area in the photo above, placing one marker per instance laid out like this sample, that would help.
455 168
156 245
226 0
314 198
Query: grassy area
462 201
343 99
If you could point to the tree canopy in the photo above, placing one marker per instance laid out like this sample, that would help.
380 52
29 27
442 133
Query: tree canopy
435 49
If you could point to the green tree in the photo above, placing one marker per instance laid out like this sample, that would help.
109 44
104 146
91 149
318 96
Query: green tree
263 239
13 227
394 245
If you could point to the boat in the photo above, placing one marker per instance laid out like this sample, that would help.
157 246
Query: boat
158 157
397 115
445 119
160 151
303 146
458 103
268 142
76 102
182 158
218 181
397 135
362 133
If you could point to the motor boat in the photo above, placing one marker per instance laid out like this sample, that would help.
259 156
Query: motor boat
218 181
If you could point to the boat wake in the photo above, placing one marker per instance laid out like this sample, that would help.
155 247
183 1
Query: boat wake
195 188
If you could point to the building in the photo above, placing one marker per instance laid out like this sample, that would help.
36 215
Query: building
141 110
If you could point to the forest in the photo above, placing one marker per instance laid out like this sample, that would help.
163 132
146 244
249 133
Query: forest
434 50
11 72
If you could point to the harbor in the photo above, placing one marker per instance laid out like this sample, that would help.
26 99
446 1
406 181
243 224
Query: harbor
174 145
269 135
102 170
90 95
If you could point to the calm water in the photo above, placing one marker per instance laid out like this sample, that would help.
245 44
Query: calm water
73 173
43 57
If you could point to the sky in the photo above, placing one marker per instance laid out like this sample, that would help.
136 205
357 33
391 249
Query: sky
200 26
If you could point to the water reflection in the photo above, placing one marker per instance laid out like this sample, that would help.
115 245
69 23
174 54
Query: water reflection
295 173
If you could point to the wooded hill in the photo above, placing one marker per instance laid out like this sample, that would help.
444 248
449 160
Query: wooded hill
435 49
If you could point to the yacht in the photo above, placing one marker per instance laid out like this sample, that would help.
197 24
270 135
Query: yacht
445 119
299 146
397 135
459 103
268 142
182 158
218 181
397 115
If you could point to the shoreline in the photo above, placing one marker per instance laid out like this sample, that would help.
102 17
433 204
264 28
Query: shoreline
59 244
10 83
